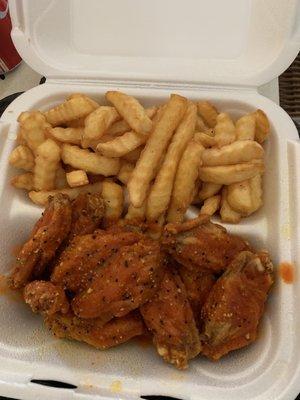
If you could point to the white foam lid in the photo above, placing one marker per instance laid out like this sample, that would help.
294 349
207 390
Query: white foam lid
232 42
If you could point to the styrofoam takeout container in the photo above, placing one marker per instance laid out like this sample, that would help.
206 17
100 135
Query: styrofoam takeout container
216 50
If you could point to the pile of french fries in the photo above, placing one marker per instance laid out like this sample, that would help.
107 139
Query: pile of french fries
167 157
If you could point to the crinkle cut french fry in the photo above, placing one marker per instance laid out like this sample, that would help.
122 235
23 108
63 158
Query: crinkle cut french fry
77 178
134 155
122 145
155 147
88 161
41 197
245 127
211 205
67 135
208 113
161 190
22 157
33 125
60 178
23 181
226 212
262 126
76 123
89 99
136 214
125 172
227 174
201 125
46 164
186 177
132 111
113 197
97 123
120 127
224 130
74 108
234 153
204 139
208 190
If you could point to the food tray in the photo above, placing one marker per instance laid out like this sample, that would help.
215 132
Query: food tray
267 369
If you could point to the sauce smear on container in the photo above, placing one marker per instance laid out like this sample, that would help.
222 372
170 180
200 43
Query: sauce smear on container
287 272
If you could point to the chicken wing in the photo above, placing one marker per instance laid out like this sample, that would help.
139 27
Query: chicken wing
87 213
128 279
201 244
235 304
93 332
198 286
85 254
45 298
168 315
46 237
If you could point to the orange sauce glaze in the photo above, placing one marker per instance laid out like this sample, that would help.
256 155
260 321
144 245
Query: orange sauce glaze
287 272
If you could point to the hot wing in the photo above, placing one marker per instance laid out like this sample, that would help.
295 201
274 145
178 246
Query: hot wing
202 245
235 304
46 237
168 315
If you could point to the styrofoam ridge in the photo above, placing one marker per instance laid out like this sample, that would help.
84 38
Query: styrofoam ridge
265 370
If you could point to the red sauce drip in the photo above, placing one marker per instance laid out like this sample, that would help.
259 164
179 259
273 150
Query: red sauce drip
287 272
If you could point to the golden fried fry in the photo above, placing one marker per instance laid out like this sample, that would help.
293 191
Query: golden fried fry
132 111
161 190
134 155
97 123
256 192
60 178
224 130
245 127
74 108
226 212
208 190
41 198
34 126
227 174
122 145
201 125
208 113
66 135
46 164
211 205
77 178
76 123
23 181
155 147
125 172
22 157
262 126
205 139
89 161
234 153
120 127
184 184
136 214
239 197
113 197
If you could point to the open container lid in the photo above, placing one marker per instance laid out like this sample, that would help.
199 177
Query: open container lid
232 42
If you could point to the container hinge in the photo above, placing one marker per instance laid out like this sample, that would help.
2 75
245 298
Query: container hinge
167 85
